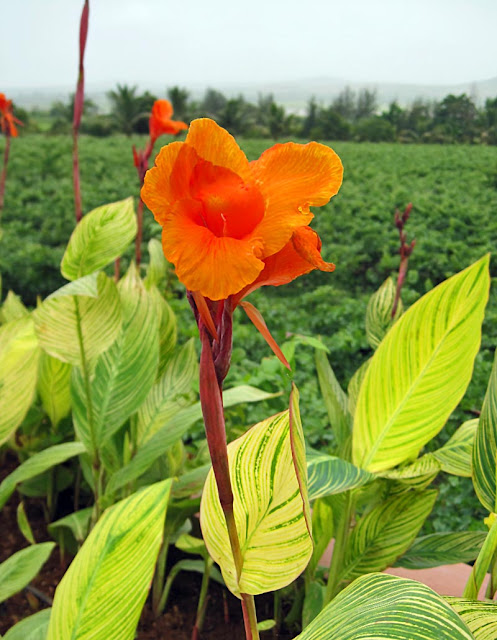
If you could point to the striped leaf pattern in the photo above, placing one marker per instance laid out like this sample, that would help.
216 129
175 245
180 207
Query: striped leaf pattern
322 531
54 387
481 617
170 394
19 355
383 607
455 456
328 475
485 447
157 265
379 313
174 429
386 532
335 399
274 539
31 628
420 371
355 384
19 569
417 475
168 331
99 314
297 444
37 464
12 308
103 591
437 549
101 236
124 373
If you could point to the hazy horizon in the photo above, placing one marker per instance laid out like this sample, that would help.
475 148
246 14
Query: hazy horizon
425 43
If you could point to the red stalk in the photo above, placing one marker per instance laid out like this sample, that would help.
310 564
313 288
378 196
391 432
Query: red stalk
78 111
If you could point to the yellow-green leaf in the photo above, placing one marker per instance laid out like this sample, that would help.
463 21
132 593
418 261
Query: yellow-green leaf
101 236
19 355
12 308
274 539
18 570
31 628
456 454
420 371
329 475
481 617
94 301
23 523
485 447
383 607
335 399
379 313
103 591
157 265
54 387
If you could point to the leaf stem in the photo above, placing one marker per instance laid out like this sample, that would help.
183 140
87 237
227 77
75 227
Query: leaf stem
341 539
158 583
482 564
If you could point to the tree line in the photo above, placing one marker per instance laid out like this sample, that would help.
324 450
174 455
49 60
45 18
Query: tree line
350 116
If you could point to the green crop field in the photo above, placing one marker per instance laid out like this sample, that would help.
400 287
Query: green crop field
454 220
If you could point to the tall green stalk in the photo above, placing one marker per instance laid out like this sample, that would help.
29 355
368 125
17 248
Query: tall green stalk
339 549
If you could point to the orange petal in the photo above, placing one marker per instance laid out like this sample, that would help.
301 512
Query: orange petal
217 267
293 177
256 317
157 192
215 144
289 263
162 109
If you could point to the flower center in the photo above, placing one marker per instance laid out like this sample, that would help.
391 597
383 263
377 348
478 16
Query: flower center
230 207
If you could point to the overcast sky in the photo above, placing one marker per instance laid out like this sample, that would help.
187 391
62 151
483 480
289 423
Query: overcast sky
215 42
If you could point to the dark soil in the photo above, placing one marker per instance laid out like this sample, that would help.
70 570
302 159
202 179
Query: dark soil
223 620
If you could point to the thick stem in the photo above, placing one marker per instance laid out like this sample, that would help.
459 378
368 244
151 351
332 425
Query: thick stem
336 565
482 564
78 207
139 234
117 269
212 410
3 177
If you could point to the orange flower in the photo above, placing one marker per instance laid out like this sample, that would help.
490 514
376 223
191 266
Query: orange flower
7 118
230 226
160 122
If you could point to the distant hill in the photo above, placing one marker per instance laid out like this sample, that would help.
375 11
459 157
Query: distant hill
293 95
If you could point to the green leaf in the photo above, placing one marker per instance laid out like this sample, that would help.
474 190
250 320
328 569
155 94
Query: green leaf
417 475
19 355
12 308
170 394
265 625
335 399
481 617
132 357
54 387
157 266
23 523
103 591
100 317
355 385
31 628
384 607
100 237
455 456
18 570
189 544
329 475
420 371
322 532
480 567
77 522
176 428
438 549
485 447
274 539
168 331
379 313
313 602
386 532
38 463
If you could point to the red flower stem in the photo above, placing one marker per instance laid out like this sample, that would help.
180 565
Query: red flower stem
3 177
215 430
400 283
78 111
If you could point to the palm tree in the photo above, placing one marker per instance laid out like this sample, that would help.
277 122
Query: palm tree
126 107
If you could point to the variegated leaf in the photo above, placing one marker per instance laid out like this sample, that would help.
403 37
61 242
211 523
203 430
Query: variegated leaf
54 387
481 617
100 237
335 399
379 313
272 530
420 371
383 607
456 455
103 591
437 549
328 475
